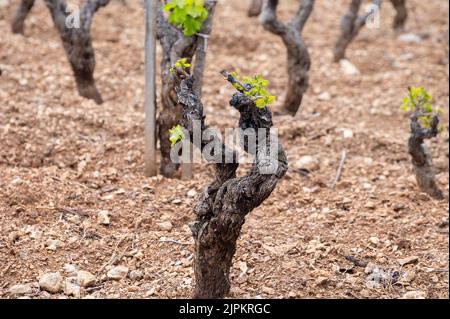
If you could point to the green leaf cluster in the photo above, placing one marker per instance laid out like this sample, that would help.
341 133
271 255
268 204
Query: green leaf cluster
255 88
182 64
188 15
419 98
176 134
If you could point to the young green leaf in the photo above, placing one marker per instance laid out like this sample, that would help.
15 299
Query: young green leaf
255 88
188 15
182 64
176 134
419 99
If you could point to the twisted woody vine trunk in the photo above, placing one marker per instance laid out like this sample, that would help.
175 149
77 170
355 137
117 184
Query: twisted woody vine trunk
401 14
175 46
421 157
76 40
299 61
78 43
18 21
255 8
352 23
222 208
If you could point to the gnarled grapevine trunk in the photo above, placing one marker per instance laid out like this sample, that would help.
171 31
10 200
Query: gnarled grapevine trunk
352 23
78 44
421 157
18 22
175 46
222 208
401 16
299 61
255 8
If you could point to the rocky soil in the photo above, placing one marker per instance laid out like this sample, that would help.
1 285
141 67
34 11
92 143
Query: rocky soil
79 220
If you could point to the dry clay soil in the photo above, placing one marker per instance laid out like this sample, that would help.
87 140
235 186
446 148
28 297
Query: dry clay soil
64 159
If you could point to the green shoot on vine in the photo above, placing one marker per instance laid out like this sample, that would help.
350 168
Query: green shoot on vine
418 98
180 64
188 15
176 134
255 88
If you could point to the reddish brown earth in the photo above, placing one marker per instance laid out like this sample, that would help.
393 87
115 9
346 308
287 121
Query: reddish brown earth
63 159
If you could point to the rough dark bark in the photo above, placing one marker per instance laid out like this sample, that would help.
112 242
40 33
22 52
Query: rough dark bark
421 157
255 8
18 22
78 44
174 46
401 16
202 47
351 24
222 208
299 61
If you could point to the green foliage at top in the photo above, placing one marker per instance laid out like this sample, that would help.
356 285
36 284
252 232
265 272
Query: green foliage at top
182 64
176 134
255 88
188 15
419 98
